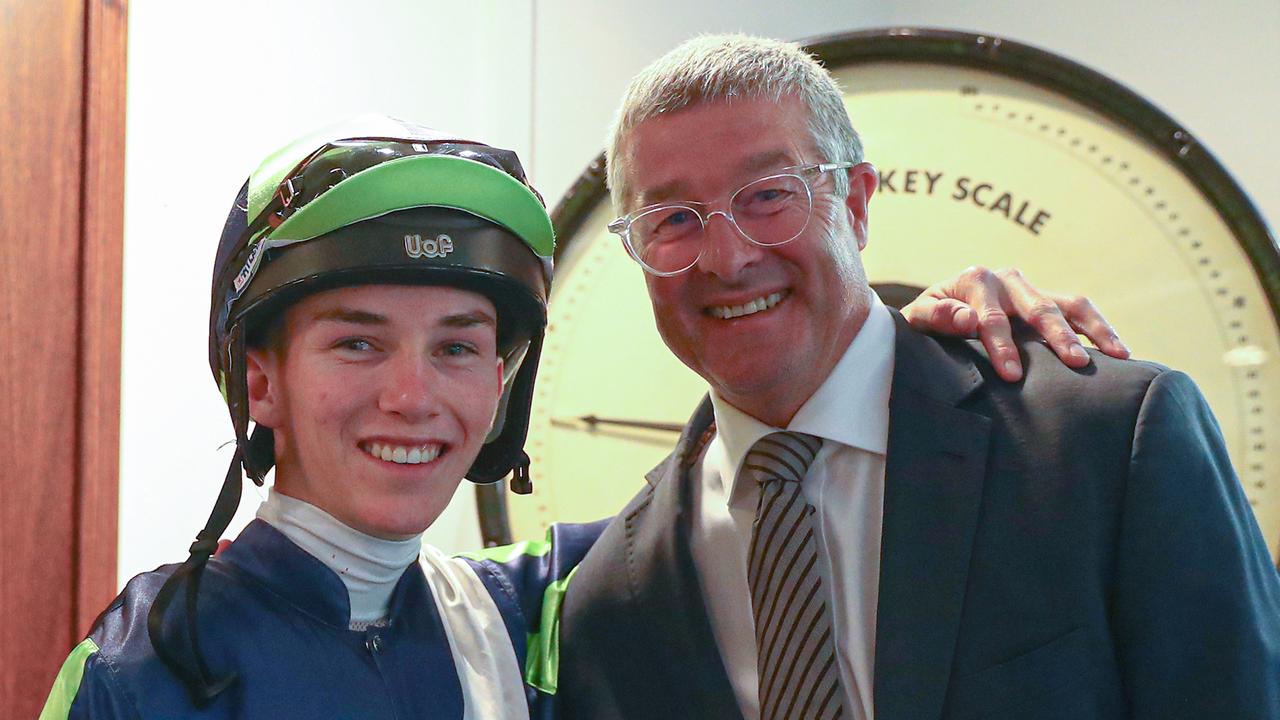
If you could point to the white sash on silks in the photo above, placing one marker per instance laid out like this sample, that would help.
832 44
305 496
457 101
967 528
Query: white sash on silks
492 684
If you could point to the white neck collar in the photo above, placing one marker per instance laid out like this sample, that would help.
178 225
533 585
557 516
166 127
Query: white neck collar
369 566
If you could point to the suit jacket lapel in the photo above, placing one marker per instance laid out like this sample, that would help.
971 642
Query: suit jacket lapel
664 586
933 486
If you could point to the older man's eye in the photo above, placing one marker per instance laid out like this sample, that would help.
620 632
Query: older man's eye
667 224
764 199
676 218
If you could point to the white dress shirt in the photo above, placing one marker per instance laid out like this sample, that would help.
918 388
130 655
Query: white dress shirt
845 483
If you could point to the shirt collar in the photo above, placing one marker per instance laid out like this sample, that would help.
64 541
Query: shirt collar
368 566
851 406
264 553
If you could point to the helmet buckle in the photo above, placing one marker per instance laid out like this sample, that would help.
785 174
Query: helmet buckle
288 190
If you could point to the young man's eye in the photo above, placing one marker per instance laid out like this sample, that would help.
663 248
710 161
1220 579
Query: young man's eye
458 349
355 344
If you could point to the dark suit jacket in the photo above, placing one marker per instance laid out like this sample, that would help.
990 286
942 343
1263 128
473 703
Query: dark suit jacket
1073 546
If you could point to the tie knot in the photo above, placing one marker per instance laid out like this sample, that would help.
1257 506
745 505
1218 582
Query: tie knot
782 456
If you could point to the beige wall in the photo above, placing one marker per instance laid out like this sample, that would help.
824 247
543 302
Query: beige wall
201 113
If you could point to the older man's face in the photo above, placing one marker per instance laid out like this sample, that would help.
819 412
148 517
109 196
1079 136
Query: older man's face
766 362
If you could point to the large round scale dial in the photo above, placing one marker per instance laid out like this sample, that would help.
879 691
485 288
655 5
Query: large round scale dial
990 153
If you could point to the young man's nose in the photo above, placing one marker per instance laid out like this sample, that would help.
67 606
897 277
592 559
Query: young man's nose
725 250
411 386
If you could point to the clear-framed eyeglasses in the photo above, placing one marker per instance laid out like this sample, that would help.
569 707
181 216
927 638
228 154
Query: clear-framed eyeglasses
668 238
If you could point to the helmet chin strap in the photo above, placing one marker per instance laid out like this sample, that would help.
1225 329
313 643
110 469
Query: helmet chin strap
503 452
179 647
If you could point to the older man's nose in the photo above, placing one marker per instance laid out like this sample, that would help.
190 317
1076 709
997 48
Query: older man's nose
725 250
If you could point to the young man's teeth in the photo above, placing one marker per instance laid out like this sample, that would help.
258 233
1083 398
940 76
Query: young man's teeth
404 455
725 312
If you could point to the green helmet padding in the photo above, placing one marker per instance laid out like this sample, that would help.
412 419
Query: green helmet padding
424 181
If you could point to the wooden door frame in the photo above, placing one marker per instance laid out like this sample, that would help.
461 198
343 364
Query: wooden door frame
97 487
61 247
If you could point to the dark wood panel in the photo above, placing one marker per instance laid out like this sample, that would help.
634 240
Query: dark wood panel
42 56
97 512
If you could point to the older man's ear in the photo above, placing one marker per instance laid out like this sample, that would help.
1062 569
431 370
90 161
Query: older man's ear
863 181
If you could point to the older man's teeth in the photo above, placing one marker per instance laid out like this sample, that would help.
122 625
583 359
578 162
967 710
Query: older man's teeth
404 455
725 312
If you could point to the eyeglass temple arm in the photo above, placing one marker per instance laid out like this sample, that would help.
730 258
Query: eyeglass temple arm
828 167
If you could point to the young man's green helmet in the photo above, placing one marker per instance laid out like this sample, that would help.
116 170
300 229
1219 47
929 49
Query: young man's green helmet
371 201
382 201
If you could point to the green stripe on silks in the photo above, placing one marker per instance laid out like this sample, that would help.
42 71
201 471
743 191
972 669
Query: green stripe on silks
67 684
506 553
542 667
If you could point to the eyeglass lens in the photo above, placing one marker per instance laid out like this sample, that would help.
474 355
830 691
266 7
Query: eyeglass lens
768 211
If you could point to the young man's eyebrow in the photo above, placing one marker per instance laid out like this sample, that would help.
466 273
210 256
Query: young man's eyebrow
364 317
469 319
349 315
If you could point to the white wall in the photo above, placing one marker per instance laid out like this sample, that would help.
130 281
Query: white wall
210 93
539 76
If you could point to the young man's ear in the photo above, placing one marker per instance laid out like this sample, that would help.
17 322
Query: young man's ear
863 181
262 378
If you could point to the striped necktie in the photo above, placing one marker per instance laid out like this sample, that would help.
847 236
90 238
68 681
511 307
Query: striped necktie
795 652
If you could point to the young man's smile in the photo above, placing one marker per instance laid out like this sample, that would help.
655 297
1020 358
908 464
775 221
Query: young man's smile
403 453
380 397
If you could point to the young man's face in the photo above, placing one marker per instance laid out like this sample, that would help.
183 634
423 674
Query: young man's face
380 397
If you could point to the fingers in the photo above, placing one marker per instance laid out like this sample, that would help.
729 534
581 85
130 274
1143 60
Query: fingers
981 301
964 321
997 337
940 315
1042 313
985 292
1085 319
1059 317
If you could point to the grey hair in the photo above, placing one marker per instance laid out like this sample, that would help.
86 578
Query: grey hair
724 67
